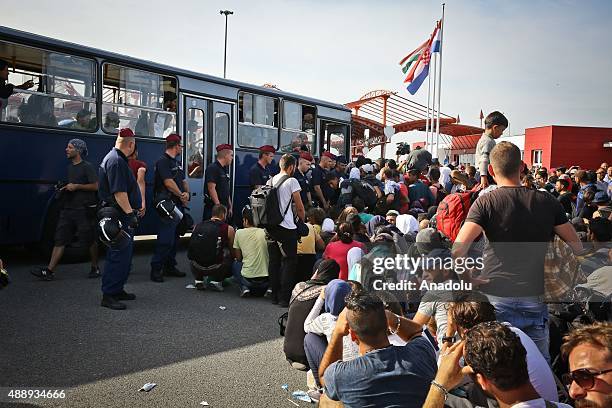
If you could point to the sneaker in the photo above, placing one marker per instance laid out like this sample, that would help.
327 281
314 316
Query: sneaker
245 293
200 286
94 272
283 303
315 395
172 271
112 303
268 294
216 286
45 274
123 295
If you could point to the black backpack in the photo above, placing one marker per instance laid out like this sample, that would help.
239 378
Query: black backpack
266 205
364 191
205 245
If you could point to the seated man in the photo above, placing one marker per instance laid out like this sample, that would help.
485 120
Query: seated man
383 374
466 314
496 359
589 353
210 250
251 252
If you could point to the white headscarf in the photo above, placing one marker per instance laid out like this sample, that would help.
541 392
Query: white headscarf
444 175
328 225
354 174
407 223
353 256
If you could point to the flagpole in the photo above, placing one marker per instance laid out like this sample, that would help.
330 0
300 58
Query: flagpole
427 121
432 120
440 80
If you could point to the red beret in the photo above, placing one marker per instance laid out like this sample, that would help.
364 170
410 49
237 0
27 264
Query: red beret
330 155
306 156
173 138
267 149
126 132
224 147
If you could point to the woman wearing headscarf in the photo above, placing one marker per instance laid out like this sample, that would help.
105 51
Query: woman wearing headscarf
328 230
374 223
407 223
320 326
353 257
445 180
303 298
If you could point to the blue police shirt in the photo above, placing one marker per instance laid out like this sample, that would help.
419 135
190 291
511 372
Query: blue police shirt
304 185
259 176
216 173
319 175
115 176
168 168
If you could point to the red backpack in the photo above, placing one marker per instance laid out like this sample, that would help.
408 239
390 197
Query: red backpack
452 212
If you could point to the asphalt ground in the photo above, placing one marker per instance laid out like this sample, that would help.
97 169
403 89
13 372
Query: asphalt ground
54 335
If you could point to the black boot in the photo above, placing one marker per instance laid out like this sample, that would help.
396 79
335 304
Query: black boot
123 295
112 303
156 276
172 271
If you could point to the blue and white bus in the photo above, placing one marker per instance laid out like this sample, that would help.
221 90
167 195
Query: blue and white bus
88 93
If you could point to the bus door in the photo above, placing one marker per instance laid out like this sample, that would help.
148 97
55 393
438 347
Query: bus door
196 148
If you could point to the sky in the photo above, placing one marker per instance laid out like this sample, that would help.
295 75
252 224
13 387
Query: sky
540 62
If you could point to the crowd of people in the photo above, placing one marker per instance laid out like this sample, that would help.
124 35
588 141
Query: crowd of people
322 251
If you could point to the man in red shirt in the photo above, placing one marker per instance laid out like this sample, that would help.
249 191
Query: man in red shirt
139 168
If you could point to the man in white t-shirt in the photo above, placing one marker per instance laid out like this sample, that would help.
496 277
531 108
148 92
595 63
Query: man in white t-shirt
497 360
282 239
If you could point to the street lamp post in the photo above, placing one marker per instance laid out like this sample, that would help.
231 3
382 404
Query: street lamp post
226 13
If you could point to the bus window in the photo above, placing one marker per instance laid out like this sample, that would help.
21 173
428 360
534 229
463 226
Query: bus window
142 101
334 137
195 143
222 124
62 94
298 127
258 120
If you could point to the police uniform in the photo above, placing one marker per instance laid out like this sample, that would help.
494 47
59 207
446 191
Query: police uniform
115 176
216 173
258 175
164 257
304 180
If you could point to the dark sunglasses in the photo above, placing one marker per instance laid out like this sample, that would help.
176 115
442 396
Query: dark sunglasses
584 377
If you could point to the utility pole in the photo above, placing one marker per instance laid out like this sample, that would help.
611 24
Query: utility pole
226 13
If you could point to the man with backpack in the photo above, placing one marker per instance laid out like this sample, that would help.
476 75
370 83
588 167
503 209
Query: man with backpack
210 250
283 236
518 224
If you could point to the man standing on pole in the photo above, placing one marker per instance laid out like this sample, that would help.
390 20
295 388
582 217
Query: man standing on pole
170 184
495 124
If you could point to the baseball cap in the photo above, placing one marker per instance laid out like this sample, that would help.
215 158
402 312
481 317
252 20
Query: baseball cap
392 212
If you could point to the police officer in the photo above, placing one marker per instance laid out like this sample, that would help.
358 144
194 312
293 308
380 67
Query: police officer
170 184
118 188
340 168
217 180
301 175
321 191
262 170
